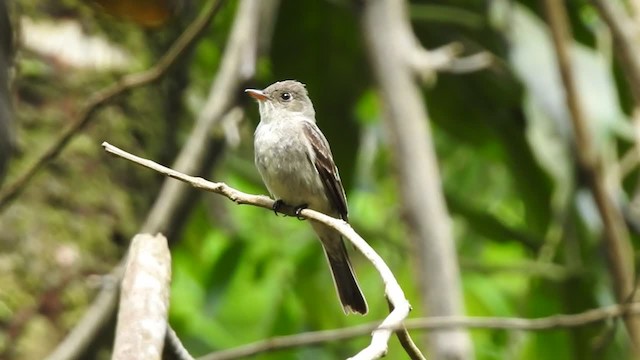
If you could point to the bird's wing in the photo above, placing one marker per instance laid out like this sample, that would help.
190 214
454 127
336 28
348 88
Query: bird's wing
323 161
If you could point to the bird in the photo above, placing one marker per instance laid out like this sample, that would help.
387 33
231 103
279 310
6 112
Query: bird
295 162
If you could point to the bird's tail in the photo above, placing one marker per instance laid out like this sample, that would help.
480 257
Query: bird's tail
344 279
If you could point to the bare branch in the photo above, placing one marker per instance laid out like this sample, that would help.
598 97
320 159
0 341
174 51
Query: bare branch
401 307
144 300
197 182
468 64
431 323
625 30
406 341
105 96
177 349
426 63
625 34
616 236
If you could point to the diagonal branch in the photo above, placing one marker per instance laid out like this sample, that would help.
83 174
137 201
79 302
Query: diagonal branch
625 35
109 94
393 291
625 28
616 236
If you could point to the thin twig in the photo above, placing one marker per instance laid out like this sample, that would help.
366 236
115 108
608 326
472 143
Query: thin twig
625 29
393 291
625 35
616 236
431 323
109 94
425 63
406 341
173 342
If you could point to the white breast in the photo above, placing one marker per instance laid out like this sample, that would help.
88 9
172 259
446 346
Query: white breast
282 158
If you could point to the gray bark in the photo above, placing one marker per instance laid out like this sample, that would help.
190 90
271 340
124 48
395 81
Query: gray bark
392 46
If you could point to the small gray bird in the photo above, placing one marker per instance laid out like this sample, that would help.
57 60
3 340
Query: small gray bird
295 162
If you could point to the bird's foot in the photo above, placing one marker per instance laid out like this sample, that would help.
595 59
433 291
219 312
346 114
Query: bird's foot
298 209
280 207
277 205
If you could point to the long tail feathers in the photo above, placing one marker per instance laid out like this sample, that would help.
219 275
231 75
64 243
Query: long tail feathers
345 281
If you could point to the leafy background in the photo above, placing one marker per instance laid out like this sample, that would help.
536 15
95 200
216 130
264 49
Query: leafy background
527 232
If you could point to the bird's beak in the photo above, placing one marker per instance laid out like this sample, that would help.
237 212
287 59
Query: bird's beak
257 94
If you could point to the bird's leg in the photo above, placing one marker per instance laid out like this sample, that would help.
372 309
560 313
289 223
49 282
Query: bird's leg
276 206
300 208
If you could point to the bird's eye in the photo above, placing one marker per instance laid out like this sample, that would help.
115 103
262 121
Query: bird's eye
286 96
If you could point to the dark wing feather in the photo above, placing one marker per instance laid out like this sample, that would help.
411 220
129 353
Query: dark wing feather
326 168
